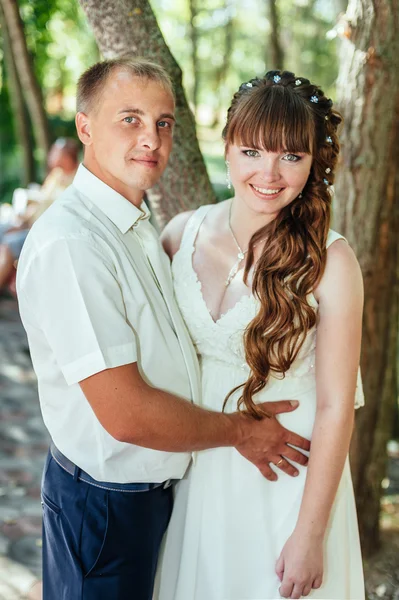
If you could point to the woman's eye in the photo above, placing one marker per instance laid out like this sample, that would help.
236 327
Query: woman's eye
292 158
252 153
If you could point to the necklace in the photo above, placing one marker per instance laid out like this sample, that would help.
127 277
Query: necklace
240 256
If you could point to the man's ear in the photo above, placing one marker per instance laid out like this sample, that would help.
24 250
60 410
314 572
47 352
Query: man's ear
83 128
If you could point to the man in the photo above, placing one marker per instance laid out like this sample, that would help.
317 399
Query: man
114 362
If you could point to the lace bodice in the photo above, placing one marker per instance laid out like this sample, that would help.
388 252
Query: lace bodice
221 341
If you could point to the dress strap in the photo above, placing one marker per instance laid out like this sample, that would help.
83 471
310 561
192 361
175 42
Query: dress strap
333 236
193 224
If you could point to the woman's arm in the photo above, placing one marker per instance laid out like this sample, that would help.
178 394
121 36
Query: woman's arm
172 234
340 297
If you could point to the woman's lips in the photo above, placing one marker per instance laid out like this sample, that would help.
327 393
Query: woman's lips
266 193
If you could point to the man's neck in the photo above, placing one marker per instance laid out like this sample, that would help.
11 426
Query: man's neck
133 196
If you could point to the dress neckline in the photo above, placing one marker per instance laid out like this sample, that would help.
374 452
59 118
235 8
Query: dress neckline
188 245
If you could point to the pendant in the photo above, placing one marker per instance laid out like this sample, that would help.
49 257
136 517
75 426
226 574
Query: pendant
234 269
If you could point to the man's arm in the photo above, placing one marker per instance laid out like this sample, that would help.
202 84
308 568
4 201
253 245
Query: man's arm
134 412
80 309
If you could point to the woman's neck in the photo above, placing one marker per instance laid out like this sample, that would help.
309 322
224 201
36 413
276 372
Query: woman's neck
244 222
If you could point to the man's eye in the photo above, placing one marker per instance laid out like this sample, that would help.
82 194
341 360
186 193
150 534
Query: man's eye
130 119
252 153
164 124
292 158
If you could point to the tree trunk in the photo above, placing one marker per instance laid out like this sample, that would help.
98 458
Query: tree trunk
21 121
276 58
24 67
194 52
367 213
222 71
130 27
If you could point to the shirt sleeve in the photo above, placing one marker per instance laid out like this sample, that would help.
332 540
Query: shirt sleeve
77 301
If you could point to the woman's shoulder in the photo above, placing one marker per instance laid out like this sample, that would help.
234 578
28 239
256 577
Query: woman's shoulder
334 236
172 235
342 273
340 254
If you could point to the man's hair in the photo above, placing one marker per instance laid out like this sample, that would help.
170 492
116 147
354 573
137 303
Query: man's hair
91 82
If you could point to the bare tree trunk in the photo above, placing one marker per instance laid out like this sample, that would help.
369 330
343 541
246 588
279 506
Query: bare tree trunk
194 51
367 213
276 59
221 73
21 121
29 84
129 27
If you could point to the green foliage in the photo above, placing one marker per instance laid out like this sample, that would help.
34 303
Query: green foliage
9 160
233 45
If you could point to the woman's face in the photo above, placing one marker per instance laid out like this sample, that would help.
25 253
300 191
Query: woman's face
267 181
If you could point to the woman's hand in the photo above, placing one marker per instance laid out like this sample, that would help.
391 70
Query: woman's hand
300 566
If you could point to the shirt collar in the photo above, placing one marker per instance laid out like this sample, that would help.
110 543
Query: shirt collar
118 209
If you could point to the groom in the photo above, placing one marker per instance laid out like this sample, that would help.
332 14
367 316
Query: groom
118 377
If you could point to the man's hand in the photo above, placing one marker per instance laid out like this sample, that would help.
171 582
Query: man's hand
266 441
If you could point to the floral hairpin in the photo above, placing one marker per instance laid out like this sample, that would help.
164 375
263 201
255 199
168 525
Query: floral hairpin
298 82
276 78
249 84
326 181
329 139
314 99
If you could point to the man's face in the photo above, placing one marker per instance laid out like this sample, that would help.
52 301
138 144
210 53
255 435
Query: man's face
128 135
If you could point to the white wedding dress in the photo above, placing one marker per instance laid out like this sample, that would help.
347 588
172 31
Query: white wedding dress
229 523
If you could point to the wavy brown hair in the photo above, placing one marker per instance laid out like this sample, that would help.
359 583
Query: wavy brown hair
283 112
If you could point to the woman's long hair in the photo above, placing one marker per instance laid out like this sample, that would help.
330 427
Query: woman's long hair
284 112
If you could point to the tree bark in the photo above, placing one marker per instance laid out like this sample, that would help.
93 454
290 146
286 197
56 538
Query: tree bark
124 27
367 213
276 50
222 71
23 63
21 120
194 52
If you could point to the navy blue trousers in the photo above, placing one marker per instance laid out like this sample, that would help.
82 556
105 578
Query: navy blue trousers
100 544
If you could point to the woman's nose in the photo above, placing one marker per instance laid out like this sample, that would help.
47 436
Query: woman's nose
270 170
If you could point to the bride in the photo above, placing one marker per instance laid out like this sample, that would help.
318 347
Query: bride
273 300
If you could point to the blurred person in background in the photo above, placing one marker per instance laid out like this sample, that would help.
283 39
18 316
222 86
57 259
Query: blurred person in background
62 162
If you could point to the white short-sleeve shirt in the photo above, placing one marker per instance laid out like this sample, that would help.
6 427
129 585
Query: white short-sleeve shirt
95 292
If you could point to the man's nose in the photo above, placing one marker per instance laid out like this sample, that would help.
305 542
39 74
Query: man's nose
150 138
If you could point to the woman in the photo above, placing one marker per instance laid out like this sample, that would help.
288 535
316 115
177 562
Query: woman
273 300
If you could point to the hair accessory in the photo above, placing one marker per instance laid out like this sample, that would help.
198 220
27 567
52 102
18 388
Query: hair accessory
249 84
326 117
326 181
276 78
300 195
329 139
328 170
228 178
298 82
314 99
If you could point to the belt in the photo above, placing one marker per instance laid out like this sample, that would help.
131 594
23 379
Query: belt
78 474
